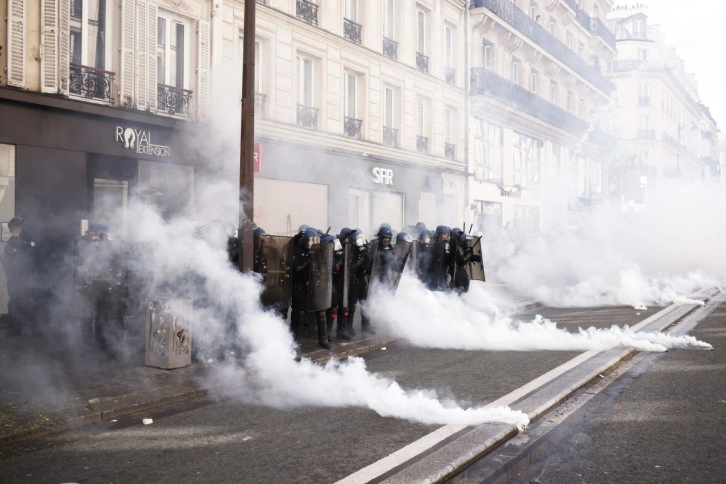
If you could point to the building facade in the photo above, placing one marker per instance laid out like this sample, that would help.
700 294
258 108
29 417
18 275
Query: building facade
665 130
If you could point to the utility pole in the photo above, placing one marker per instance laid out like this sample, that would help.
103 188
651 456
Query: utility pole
247 143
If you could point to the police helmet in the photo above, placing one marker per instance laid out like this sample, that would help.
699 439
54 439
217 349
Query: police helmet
455 232
385 231
420 226
425 236
258 231
309 238
303 228
462 237
403 236
327 238
442 229
357 238
344 233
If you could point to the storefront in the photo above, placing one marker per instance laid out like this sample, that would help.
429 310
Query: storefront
68 164
298 185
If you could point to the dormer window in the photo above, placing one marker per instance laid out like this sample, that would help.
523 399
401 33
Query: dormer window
639 29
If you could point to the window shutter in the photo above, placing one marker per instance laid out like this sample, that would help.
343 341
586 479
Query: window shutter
127 53
49 46
63 39
16 43
151 80
203 70
142 60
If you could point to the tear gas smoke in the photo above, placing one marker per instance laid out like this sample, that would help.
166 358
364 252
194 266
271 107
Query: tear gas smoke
186 266
474 322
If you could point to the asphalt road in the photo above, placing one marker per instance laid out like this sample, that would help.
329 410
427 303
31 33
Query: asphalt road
229 441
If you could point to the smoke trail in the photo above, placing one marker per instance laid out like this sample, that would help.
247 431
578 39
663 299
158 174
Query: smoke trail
472 322
187 266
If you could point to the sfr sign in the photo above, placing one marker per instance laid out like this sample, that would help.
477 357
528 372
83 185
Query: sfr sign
384 176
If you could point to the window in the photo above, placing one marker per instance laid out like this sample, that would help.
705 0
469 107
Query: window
642 54
390 133
639 29
515 71
487 54
172 51
389 19
534 81
644 94
553 27
352 121
422 124
554 93
421 32
582 109
449 36
570 101
306 79
488 151
449 133
533 13
88 33
526 161
568 40
351 10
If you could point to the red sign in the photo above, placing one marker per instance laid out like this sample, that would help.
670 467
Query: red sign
257 162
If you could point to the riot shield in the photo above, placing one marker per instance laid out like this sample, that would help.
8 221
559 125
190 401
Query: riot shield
440 268
320 293
402 251
475 269
273 255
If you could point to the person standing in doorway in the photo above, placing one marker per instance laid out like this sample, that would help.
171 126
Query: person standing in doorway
19 265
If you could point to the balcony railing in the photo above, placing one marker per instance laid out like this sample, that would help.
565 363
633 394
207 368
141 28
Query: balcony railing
260 103
307 116
486 82
173 100
449 151
352 31
263 2
535 32
307 12
644 101
422 62
583 19
450 75
422 144
390 136
90 82
646 134
390 48
352 127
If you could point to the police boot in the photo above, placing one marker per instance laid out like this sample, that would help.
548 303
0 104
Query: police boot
342 331
330 317
323 341
349 322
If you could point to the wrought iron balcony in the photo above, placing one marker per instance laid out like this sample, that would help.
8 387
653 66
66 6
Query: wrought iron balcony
307 12
583 19
509 13
390 136
449 151
486 82
646 134
390 48
260 103
422 144
352 31
307 116
450 75
352 127
263 2
173 100
90 82
422 62
644 101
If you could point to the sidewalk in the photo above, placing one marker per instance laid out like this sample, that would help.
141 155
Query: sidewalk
46 386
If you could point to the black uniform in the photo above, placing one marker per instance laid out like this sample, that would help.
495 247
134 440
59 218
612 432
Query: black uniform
358 284
19 266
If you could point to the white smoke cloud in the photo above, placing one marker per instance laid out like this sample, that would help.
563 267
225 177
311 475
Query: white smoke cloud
474 322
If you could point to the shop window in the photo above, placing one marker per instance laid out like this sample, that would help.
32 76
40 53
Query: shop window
110 205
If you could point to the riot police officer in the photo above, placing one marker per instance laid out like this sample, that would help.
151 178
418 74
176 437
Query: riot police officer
440 269
19 266
271 257
309 284
422 261
358 283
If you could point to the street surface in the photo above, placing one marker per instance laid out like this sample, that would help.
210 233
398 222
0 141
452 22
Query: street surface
227 441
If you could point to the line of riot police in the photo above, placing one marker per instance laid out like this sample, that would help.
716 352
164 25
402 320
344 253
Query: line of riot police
324 278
